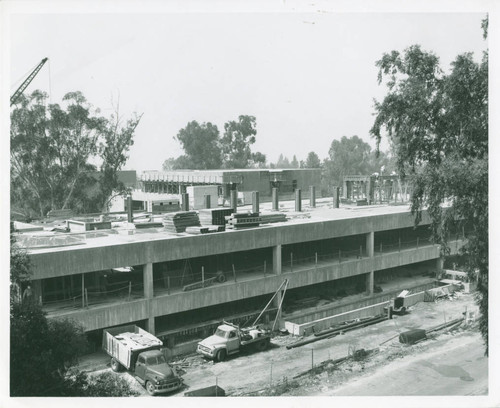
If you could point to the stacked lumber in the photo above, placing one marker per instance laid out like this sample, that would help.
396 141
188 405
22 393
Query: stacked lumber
273 217
205 229
214 216
179 221
243 220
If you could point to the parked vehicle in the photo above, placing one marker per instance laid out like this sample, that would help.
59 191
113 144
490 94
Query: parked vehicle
230 339
139 352
397 305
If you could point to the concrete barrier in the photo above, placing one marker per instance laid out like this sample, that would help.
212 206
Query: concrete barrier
301 329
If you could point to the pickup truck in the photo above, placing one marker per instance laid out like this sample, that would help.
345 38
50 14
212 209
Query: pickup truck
139 352
230 339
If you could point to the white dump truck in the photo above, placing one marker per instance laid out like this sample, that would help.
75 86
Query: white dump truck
230 339
139 352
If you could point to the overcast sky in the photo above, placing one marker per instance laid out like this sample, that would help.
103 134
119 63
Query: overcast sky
308 77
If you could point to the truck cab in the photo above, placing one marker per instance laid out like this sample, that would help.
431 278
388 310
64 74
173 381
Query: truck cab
153 371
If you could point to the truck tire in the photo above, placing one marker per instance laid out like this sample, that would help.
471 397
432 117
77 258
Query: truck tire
150 388
221 355
403 310
115 365
262 345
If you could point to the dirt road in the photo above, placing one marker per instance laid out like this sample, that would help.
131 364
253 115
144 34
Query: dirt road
453 365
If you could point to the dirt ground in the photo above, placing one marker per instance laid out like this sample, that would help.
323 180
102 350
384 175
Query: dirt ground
453 359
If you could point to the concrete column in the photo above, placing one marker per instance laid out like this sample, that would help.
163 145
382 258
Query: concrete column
275 199
344 190
207 200
298 200
185 202
312 196
370 244
277 270
147 275
130 214
234 200
439 266
370 251
255 202
370 278
277 260
336 200
150 325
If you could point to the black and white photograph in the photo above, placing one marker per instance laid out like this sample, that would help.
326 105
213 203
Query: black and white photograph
249 199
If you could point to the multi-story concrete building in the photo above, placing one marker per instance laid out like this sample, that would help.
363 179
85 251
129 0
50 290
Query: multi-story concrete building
171 283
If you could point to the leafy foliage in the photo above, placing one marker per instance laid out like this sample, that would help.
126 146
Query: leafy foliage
41 350
204 148
352 156
438 125
283 162
80 384
238 137
312 161
20 269
201 146
52 151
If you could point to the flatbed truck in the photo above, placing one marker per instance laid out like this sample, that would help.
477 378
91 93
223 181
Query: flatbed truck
229 339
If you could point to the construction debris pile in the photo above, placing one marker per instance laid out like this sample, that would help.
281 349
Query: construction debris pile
179 221
243 220
214 216
269 218
205 229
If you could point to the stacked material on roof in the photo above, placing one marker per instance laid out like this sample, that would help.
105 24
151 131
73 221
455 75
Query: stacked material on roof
272 217
179 221
214 216
243 220
205 229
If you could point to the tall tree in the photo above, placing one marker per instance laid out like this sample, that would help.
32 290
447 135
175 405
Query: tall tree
117 139
236 143
283 162
20 270
53 148
438 123
201 144
312 161
294 163
347 156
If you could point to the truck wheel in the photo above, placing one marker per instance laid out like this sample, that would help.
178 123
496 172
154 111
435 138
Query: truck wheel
115 365
262 345
221 355
150 388
403 310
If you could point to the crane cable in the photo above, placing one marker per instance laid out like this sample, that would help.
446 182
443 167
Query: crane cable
50 85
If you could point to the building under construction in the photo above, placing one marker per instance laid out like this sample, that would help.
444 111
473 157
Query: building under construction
105 271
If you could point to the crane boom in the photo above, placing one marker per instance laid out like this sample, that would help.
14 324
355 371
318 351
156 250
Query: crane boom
26 82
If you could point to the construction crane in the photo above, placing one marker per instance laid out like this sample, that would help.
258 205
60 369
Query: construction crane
27 81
